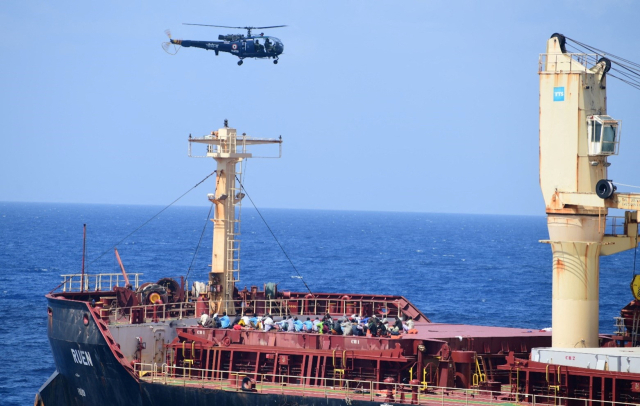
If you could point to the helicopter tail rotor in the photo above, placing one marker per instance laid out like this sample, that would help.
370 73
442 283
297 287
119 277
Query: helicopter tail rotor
172 46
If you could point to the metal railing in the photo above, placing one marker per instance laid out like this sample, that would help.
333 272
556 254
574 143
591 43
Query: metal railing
274 307
97 282
149 313
319 306
348 389
614 225
554 63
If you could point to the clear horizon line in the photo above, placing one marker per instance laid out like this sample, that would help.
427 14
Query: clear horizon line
273 208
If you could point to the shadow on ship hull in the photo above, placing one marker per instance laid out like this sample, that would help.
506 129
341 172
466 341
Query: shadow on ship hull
87 366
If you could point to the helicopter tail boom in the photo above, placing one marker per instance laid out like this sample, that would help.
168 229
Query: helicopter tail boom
208 45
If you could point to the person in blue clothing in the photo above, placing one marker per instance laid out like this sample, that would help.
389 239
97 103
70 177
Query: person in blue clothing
297 324
308 325
224 320
282 325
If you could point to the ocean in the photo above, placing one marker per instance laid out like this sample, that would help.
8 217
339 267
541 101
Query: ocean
456 268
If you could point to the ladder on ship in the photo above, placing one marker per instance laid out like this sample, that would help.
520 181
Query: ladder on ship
514 382
557 381
635 324
480 376
233 234
339 373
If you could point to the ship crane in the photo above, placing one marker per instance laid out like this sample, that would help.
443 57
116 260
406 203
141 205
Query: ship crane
577 137
228 149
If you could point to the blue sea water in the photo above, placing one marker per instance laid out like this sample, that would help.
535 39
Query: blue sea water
476 269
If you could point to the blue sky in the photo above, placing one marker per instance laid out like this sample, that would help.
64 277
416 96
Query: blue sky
428 106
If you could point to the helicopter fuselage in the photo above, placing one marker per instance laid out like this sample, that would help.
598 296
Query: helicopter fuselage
251 47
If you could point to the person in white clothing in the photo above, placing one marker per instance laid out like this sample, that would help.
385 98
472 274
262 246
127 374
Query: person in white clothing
203 319
267 322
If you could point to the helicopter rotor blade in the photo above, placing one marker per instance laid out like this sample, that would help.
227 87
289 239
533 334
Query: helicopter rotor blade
219 26
262 28
170 48
238 28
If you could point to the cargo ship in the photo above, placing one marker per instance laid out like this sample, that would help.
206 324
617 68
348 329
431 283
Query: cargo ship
118 341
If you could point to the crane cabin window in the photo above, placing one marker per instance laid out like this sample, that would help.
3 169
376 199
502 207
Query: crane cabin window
603 134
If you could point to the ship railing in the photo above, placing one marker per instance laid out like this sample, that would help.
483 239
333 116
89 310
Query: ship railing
97 282
281 307
615 225
555 63
620 326
348 389
149 313
318 306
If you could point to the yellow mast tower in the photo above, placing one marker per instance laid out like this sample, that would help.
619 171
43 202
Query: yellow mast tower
576 138
229 150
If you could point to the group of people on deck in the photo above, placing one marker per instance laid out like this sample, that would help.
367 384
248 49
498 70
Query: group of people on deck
371 326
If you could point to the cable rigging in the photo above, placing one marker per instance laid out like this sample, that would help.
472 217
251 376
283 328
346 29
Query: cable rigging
274 236
628 71
152 218
206 221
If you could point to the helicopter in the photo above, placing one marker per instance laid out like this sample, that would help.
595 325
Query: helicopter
240 45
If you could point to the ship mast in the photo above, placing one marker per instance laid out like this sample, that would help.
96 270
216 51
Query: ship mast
576 138
228 150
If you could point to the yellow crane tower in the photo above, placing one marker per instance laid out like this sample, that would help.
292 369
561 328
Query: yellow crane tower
228 149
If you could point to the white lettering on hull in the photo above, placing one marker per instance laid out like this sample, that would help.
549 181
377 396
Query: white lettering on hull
81 357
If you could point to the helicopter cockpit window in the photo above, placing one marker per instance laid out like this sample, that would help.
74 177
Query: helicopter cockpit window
259 46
